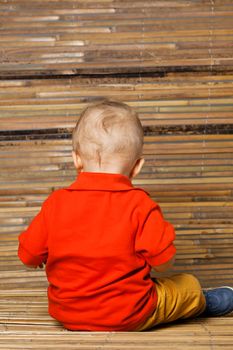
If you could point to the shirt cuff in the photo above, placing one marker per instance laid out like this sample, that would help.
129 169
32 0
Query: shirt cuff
27 258
163 257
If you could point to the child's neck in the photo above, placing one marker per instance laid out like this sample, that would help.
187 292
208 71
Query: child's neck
111 169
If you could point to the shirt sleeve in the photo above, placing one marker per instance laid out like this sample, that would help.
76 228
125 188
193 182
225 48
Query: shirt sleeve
154 241
33 249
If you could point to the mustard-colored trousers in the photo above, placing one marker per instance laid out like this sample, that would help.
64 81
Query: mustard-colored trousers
179 296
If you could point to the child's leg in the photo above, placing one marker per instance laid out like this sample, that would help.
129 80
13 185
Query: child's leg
179 296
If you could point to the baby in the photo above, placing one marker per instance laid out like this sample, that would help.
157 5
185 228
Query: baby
101 236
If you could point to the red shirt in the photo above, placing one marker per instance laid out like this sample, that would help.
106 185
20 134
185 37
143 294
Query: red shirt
99 238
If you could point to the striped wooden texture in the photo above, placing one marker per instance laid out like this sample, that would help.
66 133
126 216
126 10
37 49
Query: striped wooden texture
42 333
188 125
69 37
184 103
171 61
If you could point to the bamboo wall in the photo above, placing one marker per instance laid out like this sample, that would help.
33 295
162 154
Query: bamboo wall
172 61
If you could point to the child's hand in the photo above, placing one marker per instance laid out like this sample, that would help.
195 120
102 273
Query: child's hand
31 266
35 266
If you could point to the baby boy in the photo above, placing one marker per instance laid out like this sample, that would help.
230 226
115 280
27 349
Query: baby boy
101 236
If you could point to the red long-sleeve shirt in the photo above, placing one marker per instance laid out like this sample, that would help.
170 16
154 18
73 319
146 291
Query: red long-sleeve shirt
99 238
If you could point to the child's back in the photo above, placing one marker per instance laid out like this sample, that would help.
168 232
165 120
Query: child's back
99 278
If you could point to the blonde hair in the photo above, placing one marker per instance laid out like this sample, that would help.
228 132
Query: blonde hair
108 128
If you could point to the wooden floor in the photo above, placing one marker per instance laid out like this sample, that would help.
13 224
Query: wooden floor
171 61
199 334
25 324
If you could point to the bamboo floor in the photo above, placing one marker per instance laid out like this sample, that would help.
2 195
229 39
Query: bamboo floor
25 324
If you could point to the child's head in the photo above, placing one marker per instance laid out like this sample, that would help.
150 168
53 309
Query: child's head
108 138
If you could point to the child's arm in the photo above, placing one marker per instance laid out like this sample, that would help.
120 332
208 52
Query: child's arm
164 267
155 240
32 249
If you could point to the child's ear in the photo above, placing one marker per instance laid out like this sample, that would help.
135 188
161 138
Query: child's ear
77 161
137 167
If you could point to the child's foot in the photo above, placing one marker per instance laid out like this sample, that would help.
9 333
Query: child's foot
219 301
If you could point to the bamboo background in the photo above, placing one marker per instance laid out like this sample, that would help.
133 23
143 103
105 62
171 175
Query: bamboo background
172 61
69 37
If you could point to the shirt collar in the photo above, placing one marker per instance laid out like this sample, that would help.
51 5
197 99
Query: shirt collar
101 181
